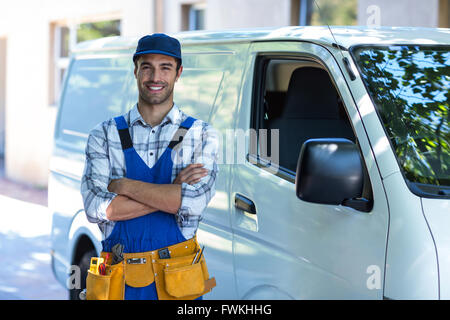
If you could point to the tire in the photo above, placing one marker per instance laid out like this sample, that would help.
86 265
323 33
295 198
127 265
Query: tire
85 261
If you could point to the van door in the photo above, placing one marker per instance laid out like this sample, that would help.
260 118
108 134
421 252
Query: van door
285 248
208 90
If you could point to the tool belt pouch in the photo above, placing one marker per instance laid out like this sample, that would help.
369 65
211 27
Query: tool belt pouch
106 287
184 281
138 269
179 279
97 286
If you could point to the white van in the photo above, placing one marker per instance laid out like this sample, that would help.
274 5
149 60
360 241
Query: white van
354 204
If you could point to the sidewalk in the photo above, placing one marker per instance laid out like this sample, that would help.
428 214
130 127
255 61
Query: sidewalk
21 191
25 243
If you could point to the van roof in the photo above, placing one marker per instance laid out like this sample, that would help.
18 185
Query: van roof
345 36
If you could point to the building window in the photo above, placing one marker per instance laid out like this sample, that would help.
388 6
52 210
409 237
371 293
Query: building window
64 38
193 16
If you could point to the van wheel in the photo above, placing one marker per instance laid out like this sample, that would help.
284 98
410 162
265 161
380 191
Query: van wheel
84 264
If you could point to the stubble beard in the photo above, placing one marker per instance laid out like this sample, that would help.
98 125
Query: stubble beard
154 100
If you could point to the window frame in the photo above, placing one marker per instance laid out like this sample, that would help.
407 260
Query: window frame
259 79
189 12
59 65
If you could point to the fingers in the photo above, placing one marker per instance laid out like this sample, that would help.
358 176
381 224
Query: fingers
191 169
191 174
193 165
196 175
112 186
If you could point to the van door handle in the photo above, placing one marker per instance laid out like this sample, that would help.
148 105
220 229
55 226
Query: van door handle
244 204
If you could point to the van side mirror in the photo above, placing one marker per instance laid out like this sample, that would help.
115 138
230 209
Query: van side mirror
330 171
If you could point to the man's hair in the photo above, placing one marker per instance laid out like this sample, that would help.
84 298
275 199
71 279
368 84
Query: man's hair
178 64
177 60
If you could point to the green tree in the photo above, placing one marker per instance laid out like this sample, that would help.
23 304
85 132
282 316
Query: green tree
95 30
334 12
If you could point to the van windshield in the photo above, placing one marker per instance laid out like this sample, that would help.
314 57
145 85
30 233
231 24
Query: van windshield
409 86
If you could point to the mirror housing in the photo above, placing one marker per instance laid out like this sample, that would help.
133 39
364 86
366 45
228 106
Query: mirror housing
330 171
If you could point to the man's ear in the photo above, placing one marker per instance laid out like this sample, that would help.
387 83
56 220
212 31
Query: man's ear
136 62
179 73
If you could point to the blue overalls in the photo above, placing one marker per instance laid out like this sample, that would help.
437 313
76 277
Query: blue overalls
152 231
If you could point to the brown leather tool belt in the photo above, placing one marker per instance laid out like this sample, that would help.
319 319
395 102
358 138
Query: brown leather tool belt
179 271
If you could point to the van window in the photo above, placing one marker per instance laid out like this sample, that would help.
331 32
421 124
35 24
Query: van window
196 90
95 91
298 99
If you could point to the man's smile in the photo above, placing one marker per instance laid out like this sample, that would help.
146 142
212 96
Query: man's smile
154 88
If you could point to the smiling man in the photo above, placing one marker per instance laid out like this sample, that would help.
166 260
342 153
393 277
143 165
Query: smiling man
137 186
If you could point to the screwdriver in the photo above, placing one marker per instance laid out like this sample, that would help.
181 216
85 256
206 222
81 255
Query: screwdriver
199 257
102 266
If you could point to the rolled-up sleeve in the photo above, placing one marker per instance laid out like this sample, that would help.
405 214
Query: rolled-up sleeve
96 177
195 198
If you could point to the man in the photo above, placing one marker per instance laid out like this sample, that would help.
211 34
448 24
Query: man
141 192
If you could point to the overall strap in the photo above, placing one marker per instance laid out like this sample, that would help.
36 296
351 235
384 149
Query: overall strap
124 133
181 132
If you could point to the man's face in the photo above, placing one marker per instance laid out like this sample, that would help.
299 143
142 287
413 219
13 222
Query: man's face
156 75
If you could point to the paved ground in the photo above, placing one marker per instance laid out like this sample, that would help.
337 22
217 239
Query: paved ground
25 225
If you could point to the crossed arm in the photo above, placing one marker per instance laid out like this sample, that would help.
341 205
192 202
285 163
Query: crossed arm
137 198
123 199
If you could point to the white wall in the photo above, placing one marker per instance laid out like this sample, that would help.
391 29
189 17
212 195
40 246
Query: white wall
233 14
418 13
2 93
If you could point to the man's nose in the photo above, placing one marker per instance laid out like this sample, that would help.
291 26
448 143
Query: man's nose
155 75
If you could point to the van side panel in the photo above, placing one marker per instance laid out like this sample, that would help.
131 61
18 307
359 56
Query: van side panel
64 200
437 214
411 261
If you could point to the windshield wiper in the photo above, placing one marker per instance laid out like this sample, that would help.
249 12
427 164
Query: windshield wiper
443 192
429 190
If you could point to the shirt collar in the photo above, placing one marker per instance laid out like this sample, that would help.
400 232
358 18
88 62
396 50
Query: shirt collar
174 116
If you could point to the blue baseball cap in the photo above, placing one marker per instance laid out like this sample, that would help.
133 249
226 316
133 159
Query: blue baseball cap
158 43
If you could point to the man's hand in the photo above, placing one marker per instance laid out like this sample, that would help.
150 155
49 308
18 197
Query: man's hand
191 174
116 185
